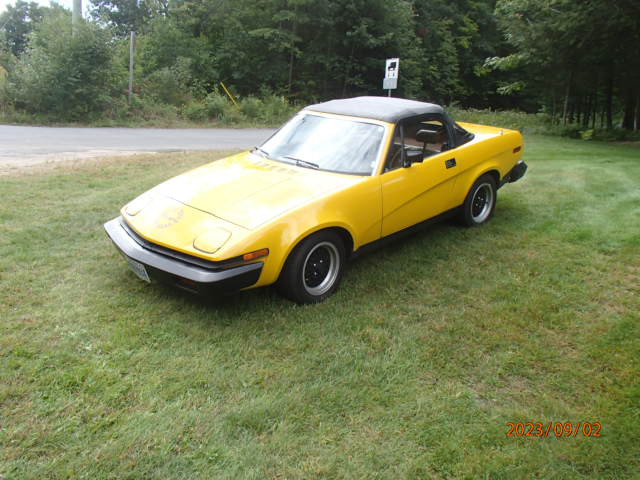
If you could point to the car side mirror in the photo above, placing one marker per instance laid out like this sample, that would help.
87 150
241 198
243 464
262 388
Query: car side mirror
411 157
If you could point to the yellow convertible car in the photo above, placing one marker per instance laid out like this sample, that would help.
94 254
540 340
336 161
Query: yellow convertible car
338 177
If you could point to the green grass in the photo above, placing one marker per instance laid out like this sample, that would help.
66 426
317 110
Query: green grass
411 370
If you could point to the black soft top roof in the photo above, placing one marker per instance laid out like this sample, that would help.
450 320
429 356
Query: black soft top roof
387 109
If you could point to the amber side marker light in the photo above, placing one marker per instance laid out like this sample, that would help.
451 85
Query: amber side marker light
257 254
517 149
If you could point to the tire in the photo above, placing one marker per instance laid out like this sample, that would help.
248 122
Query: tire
314 268
480 202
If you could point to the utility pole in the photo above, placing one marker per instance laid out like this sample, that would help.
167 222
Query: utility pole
132 56
76 15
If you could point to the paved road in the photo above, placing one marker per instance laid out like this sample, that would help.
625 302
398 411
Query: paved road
23 146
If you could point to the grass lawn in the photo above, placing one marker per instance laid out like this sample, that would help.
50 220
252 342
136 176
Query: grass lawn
412 370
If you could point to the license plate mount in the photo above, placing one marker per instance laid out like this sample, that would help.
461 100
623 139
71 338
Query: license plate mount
139 269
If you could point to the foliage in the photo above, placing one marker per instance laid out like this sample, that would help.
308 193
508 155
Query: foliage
128 15
411 371
270 110
526 122
559 57
167 46
66 76
169 85
574 56
18 21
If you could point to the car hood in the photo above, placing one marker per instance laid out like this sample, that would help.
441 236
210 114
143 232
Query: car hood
248 190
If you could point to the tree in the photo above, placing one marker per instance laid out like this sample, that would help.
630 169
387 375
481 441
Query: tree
456 36
575 51
17 21
128 15
67 77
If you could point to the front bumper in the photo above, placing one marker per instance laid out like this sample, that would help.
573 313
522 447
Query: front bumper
199 279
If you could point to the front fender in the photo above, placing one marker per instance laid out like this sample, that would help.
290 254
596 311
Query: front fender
356 210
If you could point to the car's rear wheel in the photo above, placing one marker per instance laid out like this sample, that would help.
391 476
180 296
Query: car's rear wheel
314 268
480 202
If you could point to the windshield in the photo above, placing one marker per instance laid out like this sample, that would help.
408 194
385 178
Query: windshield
327 143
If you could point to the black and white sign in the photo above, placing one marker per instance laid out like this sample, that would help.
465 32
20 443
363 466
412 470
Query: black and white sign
391 70
393 66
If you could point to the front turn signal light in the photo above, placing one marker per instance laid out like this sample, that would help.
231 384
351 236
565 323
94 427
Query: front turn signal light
257 254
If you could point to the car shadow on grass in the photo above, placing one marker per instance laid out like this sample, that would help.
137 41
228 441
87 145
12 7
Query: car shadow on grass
377 276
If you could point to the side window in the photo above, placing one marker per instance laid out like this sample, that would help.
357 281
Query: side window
428 136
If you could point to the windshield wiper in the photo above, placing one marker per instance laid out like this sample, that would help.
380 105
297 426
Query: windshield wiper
302 163
264 153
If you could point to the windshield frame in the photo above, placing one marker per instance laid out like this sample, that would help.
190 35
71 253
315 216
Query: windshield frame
380 154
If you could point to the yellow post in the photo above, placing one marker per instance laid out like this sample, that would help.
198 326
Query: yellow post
229 94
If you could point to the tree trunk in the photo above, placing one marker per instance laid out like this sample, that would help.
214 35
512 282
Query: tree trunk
566 99
572 110
629 110
587 111
348 69
291 55
637 126
290 68
609 97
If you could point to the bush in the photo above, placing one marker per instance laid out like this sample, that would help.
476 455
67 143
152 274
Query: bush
233 116
616 135
150 111
525 122
569 131
164 86
276 110
216 105
252 108
195 111
64 76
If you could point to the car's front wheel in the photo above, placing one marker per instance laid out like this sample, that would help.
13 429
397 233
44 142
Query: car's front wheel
480 202
314 269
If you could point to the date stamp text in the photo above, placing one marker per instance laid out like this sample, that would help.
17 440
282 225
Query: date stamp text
554 429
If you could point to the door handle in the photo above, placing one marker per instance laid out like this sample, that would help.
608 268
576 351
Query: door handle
450 163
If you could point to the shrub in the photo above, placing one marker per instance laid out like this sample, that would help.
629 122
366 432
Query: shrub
233 116
276 110
165 87
616 135
216 105
252 108
65 76
569 131
195 111
150 111
527 122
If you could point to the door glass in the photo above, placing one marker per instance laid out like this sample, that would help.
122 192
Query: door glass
428 136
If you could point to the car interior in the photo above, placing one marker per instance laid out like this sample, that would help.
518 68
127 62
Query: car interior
428 137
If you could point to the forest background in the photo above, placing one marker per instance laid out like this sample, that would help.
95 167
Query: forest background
574 67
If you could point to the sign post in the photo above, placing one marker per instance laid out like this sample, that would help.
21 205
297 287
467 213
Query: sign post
391 70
